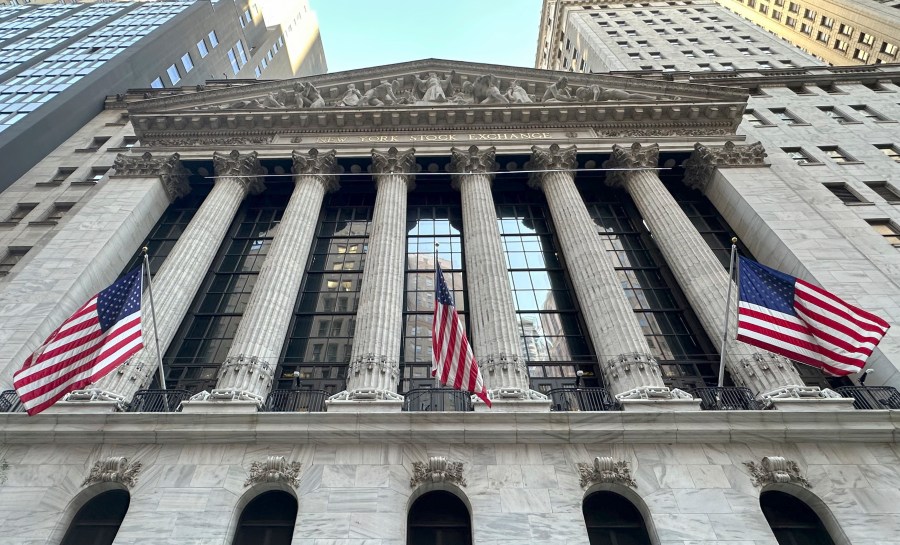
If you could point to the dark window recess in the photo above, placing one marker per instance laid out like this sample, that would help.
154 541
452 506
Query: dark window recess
884 191
21 210
98 521
13 256
267 520
613 520
792 521
61 174
843 192
58 211
438 518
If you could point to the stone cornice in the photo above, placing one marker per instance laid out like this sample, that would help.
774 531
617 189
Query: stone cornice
471 428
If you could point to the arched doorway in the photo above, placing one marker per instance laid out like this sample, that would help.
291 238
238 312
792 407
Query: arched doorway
438 518
98 521
267 520
613 520
792 521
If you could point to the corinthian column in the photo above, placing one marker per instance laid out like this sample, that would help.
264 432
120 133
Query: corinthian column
629 370
772 378
249 369
492 313
180 276
375 357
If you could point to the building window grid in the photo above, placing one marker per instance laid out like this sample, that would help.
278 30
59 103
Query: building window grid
799 156
843 192
890 150
885 190
887 229
837 154
868 113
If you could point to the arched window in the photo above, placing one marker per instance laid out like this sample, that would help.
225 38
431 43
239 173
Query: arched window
98 521
613 520
267 520
438 518
792 521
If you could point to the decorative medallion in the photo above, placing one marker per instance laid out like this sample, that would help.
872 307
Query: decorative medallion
114 469
275 469
437 470
606 470
775 469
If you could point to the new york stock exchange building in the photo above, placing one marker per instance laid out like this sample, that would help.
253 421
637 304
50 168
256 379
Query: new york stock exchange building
583 223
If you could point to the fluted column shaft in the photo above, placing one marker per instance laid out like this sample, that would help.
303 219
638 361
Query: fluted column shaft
625 359
492 312
249 369
374 361
180 276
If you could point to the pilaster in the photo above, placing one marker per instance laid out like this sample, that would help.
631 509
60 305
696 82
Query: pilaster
374 362
249 369
180 276
629 370
492 312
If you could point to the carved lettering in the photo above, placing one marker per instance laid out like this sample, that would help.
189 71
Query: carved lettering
377 139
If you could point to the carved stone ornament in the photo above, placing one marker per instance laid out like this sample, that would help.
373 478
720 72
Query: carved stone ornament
606 470
437 470
393 161
702 164
275 469
315 163
472 160
652 133
114 469
4 468
208 141
624 363
633 157
775 469
169 169
245 167
553 158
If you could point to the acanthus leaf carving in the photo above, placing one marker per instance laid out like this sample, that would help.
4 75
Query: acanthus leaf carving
243 167
776 469
437 470
634 157
320 165
274 469
703 162
473 160
553 158
114 469
169 169
605 469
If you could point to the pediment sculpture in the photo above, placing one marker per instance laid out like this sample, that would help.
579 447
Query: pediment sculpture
431 89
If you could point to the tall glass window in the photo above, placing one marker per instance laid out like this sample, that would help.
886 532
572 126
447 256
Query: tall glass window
433 216
267 520
687 358
98 521
792 521
321 337
613 520
550 326
204 338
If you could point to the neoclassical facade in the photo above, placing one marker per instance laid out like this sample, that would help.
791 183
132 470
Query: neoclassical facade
583 222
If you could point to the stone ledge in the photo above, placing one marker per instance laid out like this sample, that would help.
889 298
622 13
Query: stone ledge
403 427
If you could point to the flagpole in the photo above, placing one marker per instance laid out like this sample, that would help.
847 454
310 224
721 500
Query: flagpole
162 378
437 377
727 311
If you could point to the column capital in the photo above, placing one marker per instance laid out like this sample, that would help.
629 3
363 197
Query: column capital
634 156
244 167
471 161
315 164
394 161
169 169
702 164
553 158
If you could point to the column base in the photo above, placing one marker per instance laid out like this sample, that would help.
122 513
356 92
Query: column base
657 399
513 400
83 400
84 407
235 406
795 398
363 406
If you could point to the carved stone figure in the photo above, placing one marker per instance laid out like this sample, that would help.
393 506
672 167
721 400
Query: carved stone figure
486 90
595 93
351 97
463 95
380 95
433 88
312 98
558 92
517 94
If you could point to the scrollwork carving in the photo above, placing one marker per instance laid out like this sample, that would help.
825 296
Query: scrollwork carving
471 161
437 470
169 169
552 158
209 141
275 469
243 167
315 163
704 161
634 157
114 469
776 469
393 161
606 470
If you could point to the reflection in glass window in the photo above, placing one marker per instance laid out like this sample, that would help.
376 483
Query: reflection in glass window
433 216
320 338
157 83
206 333
187 62
174 76
213 40
201 48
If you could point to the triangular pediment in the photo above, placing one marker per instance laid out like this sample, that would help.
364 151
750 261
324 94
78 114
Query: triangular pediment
435 93
434 82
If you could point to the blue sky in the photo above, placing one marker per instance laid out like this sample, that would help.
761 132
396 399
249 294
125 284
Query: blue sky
364 33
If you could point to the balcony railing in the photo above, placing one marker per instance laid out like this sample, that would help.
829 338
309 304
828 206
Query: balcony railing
437 399
158 401
295 401
9 402
728 398
581 399
871 397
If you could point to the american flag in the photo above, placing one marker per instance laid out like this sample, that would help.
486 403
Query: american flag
453 362
99 337
803 322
